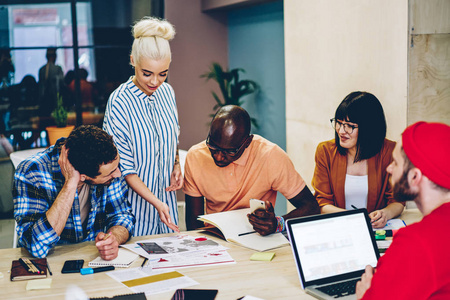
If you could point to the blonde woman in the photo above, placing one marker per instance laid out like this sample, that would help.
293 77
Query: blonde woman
141 115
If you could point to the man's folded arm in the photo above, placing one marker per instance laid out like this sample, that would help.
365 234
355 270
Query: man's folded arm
195 206
35 232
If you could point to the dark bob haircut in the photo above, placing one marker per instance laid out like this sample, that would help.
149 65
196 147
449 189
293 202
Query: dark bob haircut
90 147
365 110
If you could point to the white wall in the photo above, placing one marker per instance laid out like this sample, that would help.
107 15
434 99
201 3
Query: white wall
333 48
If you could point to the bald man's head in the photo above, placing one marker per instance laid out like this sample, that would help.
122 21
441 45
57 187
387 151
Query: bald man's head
229 132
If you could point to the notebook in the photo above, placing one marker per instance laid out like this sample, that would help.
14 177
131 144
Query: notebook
332 249
20 272
236 228
123 260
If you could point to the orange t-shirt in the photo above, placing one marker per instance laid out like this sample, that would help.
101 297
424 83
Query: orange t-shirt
262 170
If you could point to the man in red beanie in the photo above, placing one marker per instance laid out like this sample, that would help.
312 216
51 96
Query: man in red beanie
417 264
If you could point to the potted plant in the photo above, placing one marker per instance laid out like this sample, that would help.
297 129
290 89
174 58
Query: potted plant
232 88
61 129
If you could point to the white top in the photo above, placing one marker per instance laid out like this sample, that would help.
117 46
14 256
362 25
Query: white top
145 130
356 191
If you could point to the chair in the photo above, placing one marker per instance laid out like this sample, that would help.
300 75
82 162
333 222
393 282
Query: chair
16 158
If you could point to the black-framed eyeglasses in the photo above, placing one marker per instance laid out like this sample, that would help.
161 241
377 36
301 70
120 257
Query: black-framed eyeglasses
229 152
336 124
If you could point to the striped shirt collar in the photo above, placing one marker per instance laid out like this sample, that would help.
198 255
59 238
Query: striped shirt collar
140 94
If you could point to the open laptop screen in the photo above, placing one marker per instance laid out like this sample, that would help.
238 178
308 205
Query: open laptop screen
332 245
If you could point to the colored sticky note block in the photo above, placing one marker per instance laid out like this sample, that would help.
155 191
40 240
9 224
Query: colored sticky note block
262 256
39 284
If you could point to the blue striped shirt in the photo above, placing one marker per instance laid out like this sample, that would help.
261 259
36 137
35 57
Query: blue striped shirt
38 181
145 130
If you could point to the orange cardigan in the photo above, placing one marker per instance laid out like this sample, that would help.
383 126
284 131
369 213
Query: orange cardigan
331 168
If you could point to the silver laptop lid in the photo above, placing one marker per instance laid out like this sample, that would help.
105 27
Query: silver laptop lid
332 247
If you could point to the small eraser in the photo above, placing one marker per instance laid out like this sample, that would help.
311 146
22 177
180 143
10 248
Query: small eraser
262 256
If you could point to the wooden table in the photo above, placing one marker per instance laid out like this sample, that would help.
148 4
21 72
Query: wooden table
277 279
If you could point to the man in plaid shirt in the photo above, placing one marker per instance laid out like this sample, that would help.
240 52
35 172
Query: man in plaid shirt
73 192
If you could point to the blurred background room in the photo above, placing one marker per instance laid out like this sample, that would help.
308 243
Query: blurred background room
304 56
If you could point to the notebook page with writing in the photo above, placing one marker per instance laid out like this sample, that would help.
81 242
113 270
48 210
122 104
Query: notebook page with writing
123 260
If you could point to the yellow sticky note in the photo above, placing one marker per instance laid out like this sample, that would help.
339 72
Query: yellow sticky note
262 256
39 284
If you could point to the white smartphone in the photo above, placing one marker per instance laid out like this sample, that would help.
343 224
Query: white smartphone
257 204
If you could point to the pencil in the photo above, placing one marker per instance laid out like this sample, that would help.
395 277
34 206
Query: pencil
39 271
245 233
25 265
106 236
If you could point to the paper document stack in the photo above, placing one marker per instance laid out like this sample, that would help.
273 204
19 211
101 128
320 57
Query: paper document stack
181 251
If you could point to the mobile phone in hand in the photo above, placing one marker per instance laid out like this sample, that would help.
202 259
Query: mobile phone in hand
257 204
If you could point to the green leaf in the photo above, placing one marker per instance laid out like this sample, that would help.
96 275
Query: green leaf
230 85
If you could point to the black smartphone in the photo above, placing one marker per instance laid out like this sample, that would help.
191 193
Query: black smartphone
72 266
186 294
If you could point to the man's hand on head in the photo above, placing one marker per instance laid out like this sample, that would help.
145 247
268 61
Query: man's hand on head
70 174
264 221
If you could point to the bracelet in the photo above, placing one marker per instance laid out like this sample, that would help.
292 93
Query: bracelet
280 224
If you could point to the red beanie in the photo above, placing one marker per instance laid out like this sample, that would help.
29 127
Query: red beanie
427 146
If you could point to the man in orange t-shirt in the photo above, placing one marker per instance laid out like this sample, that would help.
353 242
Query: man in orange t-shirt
233 166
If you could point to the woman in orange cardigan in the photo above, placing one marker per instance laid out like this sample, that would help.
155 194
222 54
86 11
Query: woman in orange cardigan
351 169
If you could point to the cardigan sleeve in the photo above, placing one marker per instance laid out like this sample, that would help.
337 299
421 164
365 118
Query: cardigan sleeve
323 190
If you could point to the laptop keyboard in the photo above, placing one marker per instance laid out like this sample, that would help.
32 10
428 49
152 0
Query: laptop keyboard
340 289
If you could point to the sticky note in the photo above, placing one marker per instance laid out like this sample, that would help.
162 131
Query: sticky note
262 256
39 284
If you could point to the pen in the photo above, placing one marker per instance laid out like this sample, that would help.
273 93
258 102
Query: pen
106 236
86 271
354 207
245 233
49 271
143 263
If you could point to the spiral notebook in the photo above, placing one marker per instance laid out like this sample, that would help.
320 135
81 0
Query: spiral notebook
123 260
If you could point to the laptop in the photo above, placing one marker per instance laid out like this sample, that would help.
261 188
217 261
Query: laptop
331 252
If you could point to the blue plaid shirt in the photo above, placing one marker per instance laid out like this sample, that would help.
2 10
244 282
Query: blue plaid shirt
38 181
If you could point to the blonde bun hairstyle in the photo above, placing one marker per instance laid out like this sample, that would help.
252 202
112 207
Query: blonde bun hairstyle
151 39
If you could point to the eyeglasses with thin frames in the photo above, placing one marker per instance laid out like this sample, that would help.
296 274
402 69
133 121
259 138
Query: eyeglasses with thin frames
229 152
336 124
